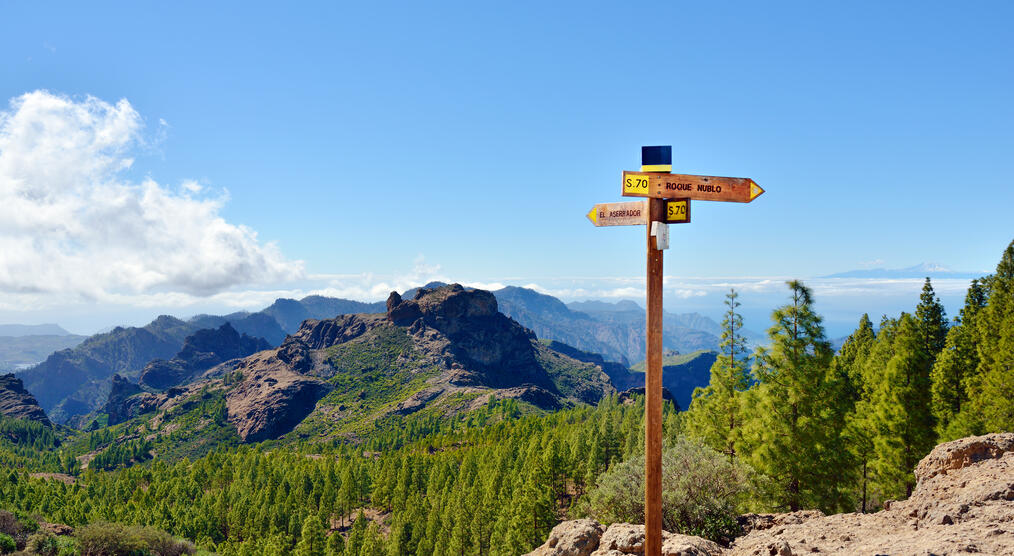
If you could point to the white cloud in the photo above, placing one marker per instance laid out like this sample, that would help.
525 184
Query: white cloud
72 226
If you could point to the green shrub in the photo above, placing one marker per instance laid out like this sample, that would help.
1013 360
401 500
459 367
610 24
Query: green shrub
700 489
43 543
7 544
114 539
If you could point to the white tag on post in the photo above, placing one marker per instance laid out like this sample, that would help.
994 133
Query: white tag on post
660 230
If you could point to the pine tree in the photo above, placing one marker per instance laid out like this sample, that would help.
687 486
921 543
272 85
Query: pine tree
357 536
993 387
714 414
955 368
847 373
848 362
900 410
932 321
335 545
795 436
373 542
312 539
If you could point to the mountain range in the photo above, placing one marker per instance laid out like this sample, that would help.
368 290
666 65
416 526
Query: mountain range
73 383
919 271
445 351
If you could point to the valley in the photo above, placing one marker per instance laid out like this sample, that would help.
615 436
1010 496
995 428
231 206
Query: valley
437 420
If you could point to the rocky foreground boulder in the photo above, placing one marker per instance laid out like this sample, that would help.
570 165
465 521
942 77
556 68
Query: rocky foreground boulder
963 503
585 537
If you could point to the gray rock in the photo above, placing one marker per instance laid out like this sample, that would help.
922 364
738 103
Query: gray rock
18 403
572 538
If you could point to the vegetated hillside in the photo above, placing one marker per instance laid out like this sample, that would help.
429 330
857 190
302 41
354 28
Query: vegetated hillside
681 374
617 334
488 481
19 351
445 352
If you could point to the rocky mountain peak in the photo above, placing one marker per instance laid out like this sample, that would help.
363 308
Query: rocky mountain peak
201 351
18 403
480 336
444 308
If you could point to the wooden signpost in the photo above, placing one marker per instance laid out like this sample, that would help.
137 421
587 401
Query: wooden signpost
668 202
630 213
701 188
634 213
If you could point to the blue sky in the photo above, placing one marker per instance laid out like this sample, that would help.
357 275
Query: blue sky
378 143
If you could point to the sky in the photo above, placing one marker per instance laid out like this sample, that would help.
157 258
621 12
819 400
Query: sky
209 157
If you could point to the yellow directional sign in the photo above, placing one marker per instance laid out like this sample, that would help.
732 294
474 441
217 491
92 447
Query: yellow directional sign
677 211
702 188
630 213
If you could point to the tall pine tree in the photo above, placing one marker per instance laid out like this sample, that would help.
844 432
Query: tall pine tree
714 414
847 373
932 321
955 369
993 388
899 408
791 427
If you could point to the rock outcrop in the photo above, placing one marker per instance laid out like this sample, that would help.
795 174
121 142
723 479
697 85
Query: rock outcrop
201 351
461 331
584 537
627 396
495 348
117 406
963 503
18 403
271 399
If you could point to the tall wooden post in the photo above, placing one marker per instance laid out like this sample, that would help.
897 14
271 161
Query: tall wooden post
669 197
653 392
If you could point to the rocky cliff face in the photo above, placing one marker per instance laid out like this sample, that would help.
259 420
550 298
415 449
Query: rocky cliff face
495 350
201 351
963 503
271 399
18 403
117 406
444 346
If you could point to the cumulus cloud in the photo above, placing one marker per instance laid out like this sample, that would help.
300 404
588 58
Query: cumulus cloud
72 224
